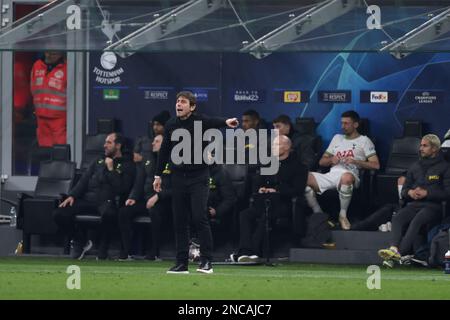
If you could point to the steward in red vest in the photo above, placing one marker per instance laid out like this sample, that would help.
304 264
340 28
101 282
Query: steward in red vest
48 87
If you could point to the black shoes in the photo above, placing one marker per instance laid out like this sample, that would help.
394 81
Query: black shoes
182 268
78 251
205 267
179 268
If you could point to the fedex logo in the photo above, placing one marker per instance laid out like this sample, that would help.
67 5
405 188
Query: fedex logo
379 97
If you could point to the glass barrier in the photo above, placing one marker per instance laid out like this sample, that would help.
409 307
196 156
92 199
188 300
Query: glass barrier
256 27
39 89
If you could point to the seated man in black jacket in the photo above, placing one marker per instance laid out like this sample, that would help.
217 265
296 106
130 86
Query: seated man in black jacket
221 197
143 199
106 181
427 185
143 147
288 182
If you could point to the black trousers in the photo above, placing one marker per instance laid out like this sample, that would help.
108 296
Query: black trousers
65 218
126 216
189 199
252 226
372 222
411 219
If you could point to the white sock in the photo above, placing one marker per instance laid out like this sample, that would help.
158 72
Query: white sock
311 199
345 196
400 187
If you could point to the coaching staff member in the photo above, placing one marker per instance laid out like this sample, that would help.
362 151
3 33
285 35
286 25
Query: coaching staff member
189 184
107 179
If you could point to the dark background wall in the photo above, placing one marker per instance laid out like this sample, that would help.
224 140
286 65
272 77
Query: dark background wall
216 77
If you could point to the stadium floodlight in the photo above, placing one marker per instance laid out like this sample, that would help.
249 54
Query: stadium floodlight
308 21
420 36
162 26
36 22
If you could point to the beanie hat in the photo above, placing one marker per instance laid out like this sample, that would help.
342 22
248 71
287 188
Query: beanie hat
162 117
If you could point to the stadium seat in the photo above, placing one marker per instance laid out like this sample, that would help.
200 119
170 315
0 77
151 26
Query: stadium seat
54 181
412 128
404 152
239 176
306 128
93 144
446 153
364 127
93 149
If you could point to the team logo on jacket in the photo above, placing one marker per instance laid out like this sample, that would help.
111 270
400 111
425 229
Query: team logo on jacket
212 183
433 178
59 74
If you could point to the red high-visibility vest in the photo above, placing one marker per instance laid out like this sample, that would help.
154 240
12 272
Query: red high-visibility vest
49 90
22 67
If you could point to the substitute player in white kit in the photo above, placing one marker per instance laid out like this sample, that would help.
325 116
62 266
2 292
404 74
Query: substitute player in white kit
346 154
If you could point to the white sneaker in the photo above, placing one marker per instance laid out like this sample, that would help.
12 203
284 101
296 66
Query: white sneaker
389 226
345 224
252 258
383 228
234 257
128 258
388 264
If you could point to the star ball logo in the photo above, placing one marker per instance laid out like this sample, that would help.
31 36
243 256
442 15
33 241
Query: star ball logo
292 97
201 96
426 97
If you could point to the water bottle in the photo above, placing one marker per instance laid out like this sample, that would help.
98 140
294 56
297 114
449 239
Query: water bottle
447 262
13 214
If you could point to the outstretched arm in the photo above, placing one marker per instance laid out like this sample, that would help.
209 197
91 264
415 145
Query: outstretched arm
232 122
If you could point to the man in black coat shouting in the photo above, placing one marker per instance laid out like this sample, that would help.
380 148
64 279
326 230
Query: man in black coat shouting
189 181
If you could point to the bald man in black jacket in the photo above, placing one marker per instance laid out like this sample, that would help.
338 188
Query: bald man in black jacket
289 182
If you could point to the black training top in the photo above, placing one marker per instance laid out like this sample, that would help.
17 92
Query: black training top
188 124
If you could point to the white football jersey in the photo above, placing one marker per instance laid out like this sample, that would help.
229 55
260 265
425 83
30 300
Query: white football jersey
360 148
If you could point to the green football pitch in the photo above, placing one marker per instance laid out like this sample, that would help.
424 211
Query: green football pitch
47 278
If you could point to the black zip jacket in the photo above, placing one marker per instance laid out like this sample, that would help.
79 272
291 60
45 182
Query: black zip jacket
431 174
98 184
143 185
221 192
188 124
290 181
